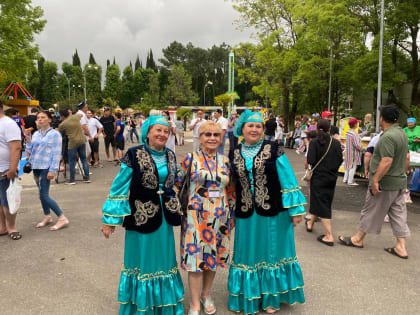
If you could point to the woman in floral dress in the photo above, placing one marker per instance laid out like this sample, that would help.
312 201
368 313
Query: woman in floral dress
206 225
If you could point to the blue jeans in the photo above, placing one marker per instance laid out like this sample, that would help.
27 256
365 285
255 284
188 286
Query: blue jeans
233 141
269 138
44 187
133 130
72 161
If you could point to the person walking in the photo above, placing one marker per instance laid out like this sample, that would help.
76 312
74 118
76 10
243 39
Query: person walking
44 148
223 123
233 141
324 158
108 121
270 128
195 124
387 184
353 153
72 128
265 270
119 137
179 131
143 201
206 224
133 129
10 148
95 130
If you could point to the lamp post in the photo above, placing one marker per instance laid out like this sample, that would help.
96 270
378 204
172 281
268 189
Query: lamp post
204 91
84 79
381 44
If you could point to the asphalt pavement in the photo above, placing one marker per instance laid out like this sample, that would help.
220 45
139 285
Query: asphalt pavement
76 270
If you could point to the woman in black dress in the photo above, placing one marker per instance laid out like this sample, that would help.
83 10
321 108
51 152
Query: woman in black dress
323 179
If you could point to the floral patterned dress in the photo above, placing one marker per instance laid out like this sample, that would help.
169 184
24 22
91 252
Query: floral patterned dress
205 229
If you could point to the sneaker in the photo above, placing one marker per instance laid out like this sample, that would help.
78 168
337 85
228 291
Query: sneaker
70 183
386 219
297 152
353 184
86 180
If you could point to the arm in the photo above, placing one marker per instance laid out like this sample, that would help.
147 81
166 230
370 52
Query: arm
357 144
117 131
223 134
407 163
56 144
366 162
14 147
100 130
383 168
192 126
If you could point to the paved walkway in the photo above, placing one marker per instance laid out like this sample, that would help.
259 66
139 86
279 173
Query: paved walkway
76 271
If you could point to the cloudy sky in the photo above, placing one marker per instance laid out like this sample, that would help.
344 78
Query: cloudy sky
125 28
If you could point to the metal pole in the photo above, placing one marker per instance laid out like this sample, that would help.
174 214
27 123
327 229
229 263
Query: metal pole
329 84
84 88
204 92
381 44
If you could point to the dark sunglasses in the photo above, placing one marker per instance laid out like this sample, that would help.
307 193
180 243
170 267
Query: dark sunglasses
209 134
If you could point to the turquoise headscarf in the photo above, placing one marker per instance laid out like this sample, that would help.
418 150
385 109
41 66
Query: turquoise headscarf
246 116
152 120
412 120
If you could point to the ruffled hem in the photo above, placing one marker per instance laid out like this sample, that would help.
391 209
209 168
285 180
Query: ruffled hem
293 198
116 206
268 284
157 293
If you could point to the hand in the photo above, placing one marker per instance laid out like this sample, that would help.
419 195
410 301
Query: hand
296 220
367 173
232 223
375 188
96 136
10 174
107 230
90 139
50 175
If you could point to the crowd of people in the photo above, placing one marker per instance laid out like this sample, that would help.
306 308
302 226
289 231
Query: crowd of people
252 189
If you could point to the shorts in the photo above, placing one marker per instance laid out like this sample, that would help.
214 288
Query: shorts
109 139
94 146
120 144
4 184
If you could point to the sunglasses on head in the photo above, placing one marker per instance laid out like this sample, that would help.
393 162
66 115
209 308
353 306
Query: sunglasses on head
209 134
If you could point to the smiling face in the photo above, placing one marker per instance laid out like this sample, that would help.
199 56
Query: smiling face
210 136
89 114
411 124
158 135
252 132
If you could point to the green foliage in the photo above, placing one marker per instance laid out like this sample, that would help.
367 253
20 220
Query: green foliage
112 82
76 60
93 83
179 91
127 87
19 22
150 62
137 64
92 59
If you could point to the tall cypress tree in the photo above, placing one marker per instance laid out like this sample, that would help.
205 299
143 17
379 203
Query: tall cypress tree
131 66
92 59
76 60
108 63
113 61
137 64
150 62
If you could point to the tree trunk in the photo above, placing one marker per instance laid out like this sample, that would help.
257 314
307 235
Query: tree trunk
415 67
286 104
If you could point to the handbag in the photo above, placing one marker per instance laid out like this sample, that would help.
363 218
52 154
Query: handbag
308 175
184 193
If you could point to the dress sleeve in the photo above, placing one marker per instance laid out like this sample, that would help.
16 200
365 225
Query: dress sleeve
116 206
292 197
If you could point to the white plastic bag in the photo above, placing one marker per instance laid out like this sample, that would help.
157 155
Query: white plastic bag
13 196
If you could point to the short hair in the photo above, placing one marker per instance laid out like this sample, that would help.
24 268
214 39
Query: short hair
118 115
389 113
45 112
34 110
207 126
91 110
14 111
369 116
64 112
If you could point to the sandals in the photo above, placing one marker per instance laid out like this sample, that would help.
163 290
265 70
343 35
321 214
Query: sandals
191 312
56 228
44 223
320 239
346 241
15 236
270 310
307 228
392 251
208 303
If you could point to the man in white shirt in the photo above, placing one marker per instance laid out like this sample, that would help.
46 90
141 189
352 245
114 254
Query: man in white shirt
10 146
83 108
95 129
195 124
223 123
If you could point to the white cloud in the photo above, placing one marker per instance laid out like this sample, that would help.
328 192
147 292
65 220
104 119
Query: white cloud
125 28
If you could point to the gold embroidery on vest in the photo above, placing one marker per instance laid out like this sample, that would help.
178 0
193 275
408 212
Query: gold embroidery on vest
147 169
144 212
173 205
171 166
246 194
261 190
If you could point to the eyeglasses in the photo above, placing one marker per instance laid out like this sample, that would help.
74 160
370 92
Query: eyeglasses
209 134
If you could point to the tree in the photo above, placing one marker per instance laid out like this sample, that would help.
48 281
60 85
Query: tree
19 22
92 59
107 63
150 62
141 83
179 90
93 74
112 82
76 60
137 64
127 87
223 100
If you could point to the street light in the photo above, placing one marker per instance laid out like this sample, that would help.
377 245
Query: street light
381 44
68 82
84 79
204 91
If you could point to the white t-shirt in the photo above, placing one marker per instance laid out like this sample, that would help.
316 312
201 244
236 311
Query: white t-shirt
84 119
94 125
223 122
9 131
170 144
195 130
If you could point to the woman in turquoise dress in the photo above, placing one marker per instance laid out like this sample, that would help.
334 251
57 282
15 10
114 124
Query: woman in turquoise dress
264 271
142 199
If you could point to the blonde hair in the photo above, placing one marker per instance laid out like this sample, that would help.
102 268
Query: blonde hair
208 126
368 117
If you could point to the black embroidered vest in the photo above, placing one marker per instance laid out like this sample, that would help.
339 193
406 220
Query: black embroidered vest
267 190
146 211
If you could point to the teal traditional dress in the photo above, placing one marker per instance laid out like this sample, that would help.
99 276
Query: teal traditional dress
265 270
150 281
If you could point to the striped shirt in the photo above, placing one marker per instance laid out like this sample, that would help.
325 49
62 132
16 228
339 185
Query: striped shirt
45 150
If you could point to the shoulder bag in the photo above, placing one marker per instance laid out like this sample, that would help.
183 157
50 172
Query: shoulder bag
184 193
308 174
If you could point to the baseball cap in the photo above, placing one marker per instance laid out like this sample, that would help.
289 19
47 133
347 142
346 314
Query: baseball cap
81 105
326 113
352 121
51 110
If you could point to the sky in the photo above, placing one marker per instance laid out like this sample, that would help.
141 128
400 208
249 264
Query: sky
125 28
